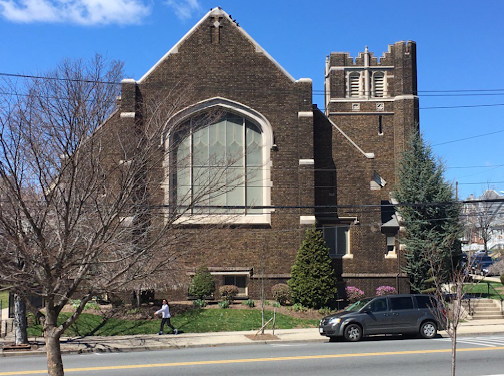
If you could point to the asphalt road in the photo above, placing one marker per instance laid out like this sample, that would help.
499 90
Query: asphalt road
385 356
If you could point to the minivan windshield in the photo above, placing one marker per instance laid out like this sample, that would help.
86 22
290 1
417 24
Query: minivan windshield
357 306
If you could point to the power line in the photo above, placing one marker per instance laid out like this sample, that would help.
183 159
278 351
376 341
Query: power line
469 138
481 166
49 78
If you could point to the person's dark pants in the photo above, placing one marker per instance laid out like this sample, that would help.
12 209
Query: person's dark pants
166 320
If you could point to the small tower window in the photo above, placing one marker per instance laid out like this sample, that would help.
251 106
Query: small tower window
379 84
354 84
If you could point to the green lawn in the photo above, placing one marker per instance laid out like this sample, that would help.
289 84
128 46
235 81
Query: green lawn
481 289
197 321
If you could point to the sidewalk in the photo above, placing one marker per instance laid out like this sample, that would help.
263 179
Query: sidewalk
145 342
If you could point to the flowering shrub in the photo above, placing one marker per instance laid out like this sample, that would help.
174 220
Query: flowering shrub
281 293
385 290
354 294
228 292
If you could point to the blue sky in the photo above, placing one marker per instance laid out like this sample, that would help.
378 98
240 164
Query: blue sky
460 53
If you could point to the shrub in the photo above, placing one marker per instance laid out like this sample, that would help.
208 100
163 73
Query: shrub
202 284
224 304
354 294
200 303
228 292
325 311
385 290
298 307
276 304
502 278
250 303
313 283
281 293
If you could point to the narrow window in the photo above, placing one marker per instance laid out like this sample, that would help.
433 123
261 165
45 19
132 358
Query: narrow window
380 125
378 84
390 243
337 240
354 84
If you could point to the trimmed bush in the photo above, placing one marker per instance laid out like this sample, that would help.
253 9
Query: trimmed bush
228 292
202 284
354 294
281 293
313 283
385 290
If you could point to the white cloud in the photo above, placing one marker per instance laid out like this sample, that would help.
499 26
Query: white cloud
83 12
184 8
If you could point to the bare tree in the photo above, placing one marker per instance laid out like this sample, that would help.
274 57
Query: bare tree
448 297
482 216
83 207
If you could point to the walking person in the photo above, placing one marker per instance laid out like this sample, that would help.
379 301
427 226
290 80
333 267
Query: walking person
165 317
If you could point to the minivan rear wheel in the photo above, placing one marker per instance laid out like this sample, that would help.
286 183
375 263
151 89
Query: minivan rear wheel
428 330
353 333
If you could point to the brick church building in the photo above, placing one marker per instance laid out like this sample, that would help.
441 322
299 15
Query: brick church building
287 164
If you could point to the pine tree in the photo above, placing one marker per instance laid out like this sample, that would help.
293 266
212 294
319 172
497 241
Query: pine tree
313 283
429 214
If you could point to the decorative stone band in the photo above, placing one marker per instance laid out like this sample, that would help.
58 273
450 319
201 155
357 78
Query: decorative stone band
307 220
305 114
128 81
127 114
304 80
306 162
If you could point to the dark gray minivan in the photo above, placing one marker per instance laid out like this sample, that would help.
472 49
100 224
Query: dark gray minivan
391 314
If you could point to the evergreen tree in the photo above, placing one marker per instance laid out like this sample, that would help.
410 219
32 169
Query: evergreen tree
312 282
429 214
202 284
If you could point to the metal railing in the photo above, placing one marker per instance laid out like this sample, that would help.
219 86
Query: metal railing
490 288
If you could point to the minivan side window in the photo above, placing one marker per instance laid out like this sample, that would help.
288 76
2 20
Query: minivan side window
378 305
424 302
399 303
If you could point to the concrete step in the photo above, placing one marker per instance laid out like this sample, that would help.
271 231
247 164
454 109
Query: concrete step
487 317
486 309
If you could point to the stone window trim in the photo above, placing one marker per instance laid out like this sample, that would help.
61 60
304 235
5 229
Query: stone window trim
391 252
225 105
365 83
379 87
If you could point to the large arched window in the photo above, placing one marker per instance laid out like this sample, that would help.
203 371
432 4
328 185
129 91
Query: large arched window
218 165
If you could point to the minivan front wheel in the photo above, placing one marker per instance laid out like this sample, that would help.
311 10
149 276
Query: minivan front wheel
353 333
428 330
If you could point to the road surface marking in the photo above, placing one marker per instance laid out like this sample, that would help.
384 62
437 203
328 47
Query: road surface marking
251 360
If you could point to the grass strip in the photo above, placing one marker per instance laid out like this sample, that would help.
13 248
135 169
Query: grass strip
196 321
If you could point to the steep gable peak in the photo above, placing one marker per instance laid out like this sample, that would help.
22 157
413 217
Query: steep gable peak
216 13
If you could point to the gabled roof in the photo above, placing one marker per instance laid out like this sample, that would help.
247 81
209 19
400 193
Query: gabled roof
215 12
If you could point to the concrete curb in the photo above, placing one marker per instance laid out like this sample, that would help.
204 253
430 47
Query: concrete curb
124 344
150 348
